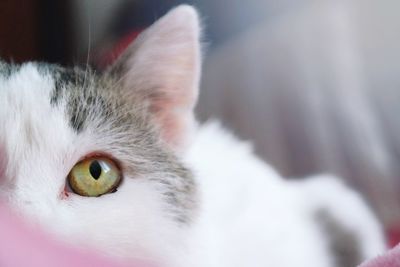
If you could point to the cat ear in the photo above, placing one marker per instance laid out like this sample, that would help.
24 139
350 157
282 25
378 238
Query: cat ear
162 67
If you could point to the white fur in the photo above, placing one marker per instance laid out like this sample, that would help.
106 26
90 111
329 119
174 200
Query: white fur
253 217
249 215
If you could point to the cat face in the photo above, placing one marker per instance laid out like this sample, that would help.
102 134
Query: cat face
138 114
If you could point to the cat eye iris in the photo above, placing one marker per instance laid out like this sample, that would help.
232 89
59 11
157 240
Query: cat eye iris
94 177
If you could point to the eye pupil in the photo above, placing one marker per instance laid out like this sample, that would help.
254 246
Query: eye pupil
95 169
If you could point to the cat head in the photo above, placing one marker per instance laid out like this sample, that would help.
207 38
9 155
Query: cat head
136 118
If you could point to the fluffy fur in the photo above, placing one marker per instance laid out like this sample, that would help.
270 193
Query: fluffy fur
191 195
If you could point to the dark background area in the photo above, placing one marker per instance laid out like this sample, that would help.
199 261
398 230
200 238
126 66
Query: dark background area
58 31
43 30
35 30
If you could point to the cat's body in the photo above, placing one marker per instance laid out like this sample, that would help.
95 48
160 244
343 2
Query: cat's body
261 219
190 195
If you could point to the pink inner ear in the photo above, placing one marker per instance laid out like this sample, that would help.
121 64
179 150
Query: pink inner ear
172 130
173 114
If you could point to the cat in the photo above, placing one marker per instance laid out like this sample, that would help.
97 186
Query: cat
117 162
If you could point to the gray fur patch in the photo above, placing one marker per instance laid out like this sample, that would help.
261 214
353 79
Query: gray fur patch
8 69
65 79
344 244
72 85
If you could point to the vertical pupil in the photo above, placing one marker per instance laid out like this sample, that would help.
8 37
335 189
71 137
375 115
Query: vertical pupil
95 169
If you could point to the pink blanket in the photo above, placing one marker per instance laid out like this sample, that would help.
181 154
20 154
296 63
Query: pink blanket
20 246
389 259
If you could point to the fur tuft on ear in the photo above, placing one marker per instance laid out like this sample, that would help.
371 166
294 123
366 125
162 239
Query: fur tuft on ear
162 67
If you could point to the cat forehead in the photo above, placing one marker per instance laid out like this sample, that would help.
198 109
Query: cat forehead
38 98
40 80
48 87
24 88
26 93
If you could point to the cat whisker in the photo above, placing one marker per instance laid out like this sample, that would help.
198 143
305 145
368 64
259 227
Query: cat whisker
88 47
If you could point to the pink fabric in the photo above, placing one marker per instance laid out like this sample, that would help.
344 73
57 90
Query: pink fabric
389 259
20 246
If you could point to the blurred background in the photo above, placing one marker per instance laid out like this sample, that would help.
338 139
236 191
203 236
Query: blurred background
314 84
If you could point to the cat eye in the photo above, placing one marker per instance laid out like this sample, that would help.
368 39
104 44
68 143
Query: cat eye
93 177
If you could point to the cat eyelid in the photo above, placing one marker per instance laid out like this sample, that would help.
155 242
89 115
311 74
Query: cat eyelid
98 154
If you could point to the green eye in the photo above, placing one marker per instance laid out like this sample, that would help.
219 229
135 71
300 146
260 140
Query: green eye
94 177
